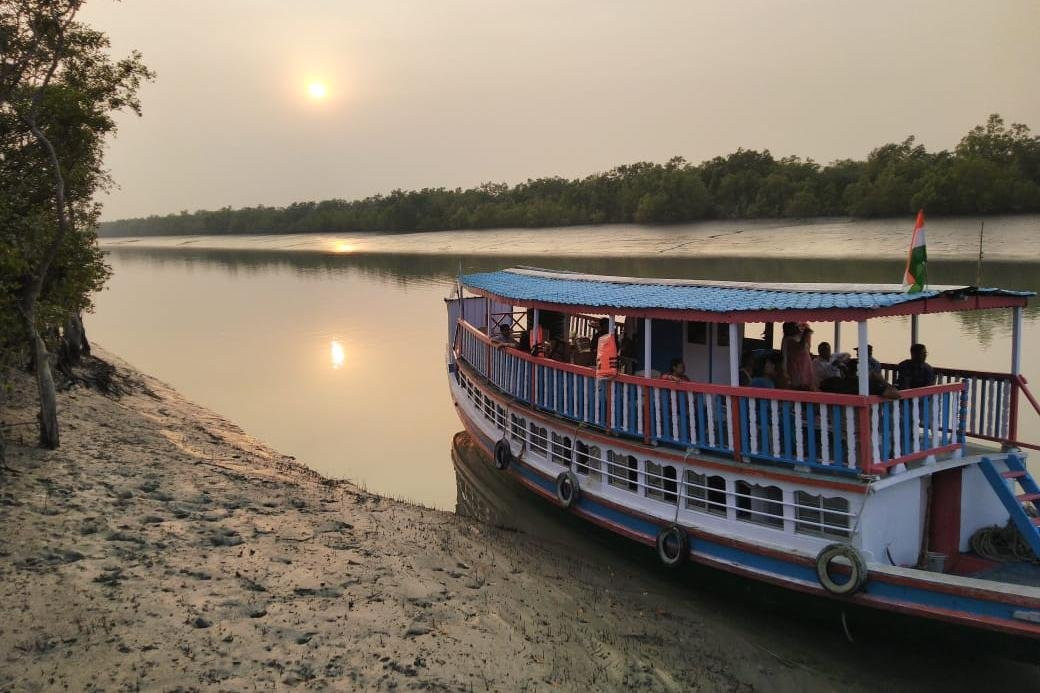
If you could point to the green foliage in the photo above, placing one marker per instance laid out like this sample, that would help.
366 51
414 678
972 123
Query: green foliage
994 169
56 74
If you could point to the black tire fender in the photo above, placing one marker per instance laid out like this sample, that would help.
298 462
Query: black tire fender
567 489
852 561
673 546
503 454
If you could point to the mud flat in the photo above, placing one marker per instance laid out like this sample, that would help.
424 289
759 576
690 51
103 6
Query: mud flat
162 548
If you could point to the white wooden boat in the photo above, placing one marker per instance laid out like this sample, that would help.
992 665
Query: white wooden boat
854 497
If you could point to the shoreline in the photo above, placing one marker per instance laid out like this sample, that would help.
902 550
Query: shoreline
163 547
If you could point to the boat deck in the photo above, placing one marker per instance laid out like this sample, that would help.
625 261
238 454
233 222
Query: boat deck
1016 573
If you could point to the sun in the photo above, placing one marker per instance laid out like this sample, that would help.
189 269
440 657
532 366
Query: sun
317 91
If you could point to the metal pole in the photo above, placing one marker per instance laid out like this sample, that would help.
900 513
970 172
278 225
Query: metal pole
837 337
646 347
734 356
1016 340
532 331
864 359
913 330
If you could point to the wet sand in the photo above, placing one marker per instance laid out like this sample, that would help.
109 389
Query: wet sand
163 548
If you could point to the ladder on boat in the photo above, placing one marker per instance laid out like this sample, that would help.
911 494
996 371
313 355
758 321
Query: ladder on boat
1017 505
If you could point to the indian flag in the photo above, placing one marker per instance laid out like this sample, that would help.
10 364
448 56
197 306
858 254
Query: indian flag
916 275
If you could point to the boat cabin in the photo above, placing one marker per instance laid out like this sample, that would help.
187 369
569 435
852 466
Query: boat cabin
533 333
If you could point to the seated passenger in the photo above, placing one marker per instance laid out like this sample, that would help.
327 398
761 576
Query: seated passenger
766 371
552 348
676 372
823 363
746 362
848 384
873 363
504 336
915 371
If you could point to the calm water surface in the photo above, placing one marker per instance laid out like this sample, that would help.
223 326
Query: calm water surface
331 348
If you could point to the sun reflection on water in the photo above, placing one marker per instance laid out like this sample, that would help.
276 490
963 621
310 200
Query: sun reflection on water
336 354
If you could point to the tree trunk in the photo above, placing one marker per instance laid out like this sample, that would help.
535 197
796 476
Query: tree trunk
72 345
48 416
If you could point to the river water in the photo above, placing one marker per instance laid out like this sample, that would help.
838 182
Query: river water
331 348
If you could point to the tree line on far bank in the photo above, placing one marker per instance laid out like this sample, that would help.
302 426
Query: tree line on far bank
994 169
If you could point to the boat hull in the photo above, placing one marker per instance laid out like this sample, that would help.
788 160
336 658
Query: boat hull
967 602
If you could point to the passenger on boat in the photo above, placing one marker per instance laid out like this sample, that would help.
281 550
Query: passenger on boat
915 371
767 372
601 329
746 364
797 356
606 356
553 348
848 384
823 364
872 363
504 336
676 372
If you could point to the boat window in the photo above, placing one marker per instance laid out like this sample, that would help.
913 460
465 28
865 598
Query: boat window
760 504
697 332
561 449
707 493
661 482
588 460
821 516
722 334
539 439
517 427
500 416
623 471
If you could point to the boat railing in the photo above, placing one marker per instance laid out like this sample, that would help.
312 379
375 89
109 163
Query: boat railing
830 432
992 412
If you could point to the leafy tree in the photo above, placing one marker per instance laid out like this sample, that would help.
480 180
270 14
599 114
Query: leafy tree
58 92
995 168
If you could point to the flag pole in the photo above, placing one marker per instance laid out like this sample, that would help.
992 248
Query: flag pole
978 269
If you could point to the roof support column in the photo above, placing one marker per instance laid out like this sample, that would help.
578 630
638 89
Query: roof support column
837 337
1016 369
863 364
914 339
532 331
1016 340
646 346
734 355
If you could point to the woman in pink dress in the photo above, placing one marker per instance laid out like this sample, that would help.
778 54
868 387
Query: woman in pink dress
796 350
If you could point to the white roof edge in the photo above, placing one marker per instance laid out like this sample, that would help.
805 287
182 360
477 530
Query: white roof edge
763 286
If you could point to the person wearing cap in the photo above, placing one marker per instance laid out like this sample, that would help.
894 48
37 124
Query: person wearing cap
872 363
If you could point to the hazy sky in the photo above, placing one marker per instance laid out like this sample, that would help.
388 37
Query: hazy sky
457 92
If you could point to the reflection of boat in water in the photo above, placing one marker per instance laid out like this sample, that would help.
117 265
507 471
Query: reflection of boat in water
858 497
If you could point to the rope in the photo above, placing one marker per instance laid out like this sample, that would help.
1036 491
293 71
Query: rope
1003 544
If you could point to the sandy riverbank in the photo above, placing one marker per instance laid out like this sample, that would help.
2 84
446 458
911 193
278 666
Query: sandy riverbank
163 548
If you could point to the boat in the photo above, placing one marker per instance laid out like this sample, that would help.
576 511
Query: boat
889 501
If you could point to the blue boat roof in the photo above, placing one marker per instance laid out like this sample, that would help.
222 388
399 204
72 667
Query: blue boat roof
531 285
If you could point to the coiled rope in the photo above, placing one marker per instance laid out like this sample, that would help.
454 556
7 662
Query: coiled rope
1003 544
